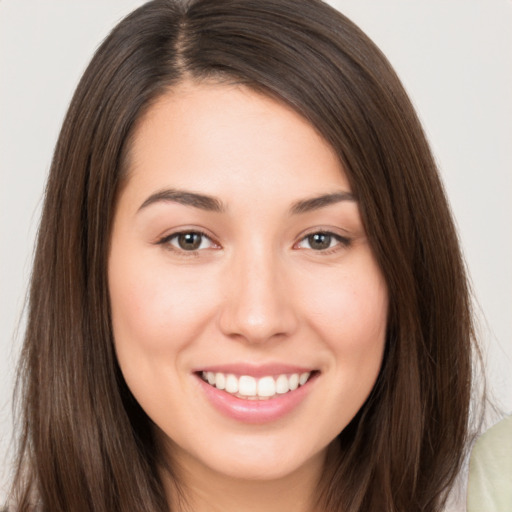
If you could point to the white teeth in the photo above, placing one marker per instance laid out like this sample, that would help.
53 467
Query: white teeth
294 382
252 388
231 384
282 385
266 386
220 381
247 386
303 378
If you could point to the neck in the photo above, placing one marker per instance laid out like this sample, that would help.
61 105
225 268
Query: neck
204 490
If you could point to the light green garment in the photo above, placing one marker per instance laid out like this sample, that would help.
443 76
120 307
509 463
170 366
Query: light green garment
490 470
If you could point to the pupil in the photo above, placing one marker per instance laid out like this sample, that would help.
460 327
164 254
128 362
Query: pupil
189 241
319 241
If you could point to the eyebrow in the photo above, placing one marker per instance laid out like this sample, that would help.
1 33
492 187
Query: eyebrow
316 203
212 204
201 201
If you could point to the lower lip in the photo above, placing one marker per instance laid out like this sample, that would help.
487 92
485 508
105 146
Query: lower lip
255 411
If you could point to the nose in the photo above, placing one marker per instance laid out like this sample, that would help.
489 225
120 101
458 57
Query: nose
258 305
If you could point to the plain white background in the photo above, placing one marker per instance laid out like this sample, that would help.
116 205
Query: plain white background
454 57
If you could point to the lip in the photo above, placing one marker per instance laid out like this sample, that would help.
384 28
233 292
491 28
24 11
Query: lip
255 411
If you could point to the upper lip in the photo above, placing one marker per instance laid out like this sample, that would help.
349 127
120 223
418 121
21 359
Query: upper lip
258 370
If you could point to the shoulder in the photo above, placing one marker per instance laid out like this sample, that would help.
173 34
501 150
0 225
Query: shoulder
490 470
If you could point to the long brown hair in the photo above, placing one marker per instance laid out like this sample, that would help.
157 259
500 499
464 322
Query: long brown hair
86 445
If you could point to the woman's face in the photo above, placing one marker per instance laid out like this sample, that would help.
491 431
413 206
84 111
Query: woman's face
238 256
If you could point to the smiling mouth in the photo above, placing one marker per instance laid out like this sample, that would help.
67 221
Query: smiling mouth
252 388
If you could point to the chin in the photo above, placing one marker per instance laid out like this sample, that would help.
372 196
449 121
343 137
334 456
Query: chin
265 457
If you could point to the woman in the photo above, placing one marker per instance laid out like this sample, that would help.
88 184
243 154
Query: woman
248 292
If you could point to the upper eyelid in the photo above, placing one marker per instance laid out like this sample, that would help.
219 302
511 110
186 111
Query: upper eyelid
327 231
202 232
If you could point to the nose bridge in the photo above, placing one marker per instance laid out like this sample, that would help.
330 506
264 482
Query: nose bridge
258 304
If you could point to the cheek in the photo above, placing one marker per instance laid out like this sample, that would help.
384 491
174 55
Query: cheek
351 307
156 315
154 311
350 311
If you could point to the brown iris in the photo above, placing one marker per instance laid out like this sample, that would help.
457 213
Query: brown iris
319 241
189 241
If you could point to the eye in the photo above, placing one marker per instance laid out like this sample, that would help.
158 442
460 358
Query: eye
188 241
322 241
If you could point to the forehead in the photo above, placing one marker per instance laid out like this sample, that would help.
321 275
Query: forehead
226 138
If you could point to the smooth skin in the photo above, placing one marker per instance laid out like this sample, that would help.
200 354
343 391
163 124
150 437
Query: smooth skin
219 257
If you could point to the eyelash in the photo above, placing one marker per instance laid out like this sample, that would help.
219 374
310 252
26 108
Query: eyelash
342 242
